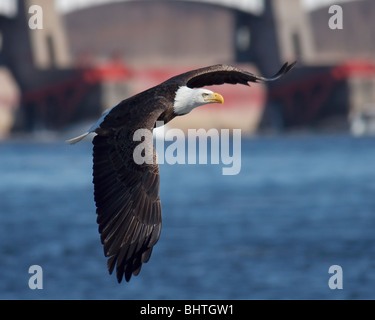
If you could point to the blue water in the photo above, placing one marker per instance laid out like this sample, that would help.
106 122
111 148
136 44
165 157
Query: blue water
299 205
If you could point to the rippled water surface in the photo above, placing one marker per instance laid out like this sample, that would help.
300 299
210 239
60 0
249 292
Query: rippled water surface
299 205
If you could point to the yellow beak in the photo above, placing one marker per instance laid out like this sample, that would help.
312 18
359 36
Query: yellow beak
214 98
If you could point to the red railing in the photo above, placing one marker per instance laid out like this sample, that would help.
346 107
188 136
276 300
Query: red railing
69 93
314 90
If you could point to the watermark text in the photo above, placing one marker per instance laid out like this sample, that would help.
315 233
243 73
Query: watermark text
336 280
36 280
36 20
336 21
191 148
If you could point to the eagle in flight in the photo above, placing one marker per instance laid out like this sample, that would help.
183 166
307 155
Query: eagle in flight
126 193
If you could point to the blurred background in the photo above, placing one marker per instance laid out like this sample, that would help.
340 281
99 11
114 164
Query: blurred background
303 201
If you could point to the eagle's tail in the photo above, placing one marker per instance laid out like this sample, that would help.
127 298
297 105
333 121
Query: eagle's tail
77 139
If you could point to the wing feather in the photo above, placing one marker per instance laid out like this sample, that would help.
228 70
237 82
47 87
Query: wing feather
221 73
128 205
127 194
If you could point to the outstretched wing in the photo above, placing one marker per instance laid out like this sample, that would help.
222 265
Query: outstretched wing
126 193
128 206
220 74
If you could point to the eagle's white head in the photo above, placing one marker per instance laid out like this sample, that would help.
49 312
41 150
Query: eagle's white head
187 99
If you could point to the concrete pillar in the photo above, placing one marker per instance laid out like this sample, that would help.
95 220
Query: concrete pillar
293 30
49 46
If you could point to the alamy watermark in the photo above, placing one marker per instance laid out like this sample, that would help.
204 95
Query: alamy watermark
36 18
225 147
336 21
36 280
336 281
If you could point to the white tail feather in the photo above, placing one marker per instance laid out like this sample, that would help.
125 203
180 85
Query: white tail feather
77 139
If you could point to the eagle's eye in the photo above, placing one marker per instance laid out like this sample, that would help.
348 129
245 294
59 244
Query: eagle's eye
205 95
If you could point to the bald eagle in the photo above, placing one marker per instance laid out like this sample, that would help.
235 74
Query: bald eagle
127 194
